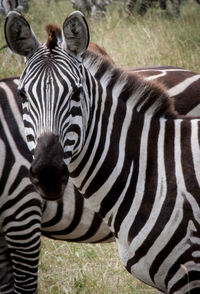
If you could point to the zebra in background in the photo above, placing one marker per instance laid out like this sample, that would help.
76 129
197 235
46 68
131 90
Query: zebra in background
8 5
146 186
144 4
98 7
91 7
68 219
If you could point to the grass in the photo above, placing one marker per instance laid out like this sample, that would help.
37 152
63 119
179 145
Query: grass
74 268
155 39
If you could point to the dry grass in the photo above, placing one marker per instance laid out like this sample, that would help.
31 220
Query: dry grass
71 268
155 39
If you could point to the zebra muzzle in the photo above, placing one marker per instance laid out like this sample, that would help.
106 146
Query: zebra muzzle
48 171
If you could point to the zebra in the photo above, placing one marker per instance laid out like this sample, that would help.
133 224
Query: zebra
127 151
144 4
91 7
8 5
68 219
22 212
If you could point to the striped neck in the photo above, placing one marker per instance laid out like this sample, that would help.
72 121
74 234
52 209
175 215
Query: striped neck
121 105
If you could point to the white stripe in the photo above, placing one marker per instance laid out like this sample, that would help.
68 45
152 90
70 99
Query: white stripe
195 112
115 208
138 197
195 148
182 86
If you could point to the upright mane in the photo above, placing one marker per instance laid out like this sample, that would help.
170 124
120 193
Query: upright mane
145 96
54 34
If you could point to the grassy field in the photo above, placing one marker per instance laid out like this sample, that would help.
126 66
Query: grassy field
155 39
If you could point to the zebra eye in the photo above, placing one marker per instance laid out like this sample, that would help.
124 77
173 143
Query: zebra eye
22 95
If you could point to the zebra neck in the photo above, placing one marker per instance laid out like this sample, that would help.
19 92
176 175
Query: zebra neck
123 110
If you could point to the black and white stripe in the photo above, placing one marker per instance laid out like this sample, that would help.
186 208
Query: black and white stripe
22 211
126 150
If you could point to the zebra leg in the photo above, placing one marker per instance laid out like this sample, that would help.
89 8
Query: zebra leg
176 7
143 7
163 4
130 6
6 275
22 231
24 254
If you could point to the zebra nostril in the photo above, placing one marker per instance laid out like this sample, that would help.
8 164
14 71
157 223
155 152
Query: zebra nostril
33 177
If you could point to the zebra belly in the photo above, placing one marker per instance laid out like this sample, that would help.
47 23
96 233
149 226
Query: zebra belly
139 270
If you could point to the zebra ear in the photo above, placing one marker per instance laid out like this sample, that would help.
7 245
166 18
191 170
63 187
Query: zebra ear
76 33
19 35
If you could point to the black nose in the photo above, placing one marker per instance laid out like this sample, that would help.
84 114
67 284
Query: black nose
48 171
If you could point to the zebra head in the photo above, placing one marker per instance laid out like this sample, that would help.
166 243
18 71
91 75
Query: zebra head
52 95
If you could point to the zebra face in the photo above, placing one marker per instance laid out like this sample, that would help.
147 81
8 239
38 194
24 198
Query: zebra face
52 98
50 93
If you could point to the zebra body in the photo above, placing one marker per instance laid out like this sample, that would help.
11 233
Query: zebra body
127 151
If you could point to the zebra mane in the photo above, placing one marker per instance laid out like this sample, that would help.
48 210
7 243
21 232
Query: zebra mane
145 96
54 35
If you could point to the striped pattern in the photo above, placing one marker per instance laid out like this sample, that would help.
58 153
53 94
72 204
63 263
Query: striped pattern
22 211
129 155
20 205
181 84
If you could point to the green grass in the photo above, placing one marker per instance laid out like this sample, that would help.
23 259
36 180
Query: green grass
155 39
